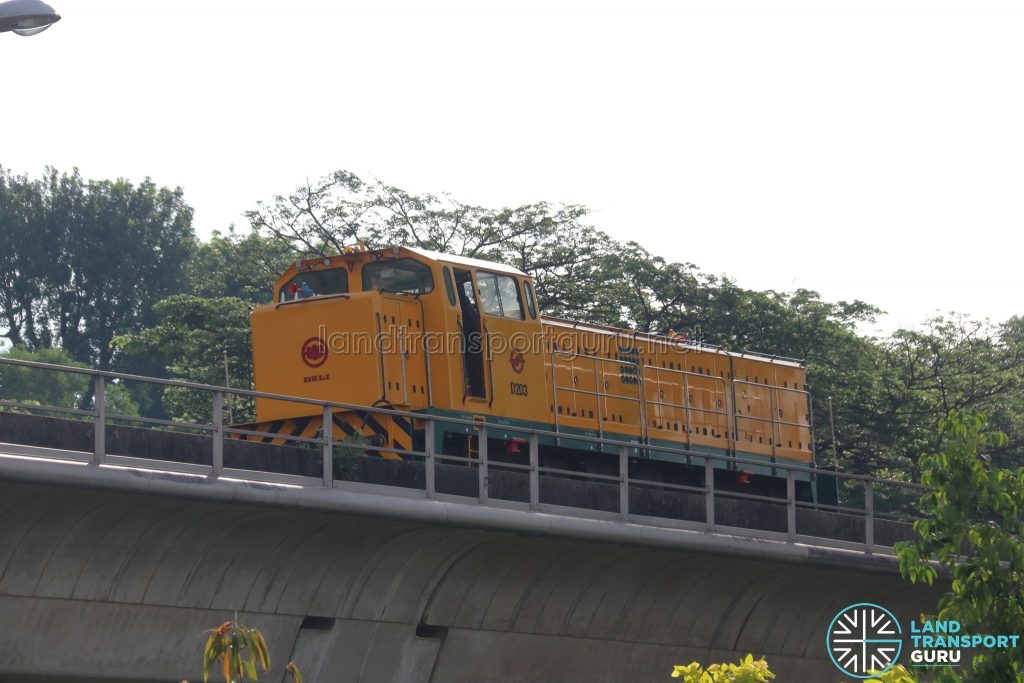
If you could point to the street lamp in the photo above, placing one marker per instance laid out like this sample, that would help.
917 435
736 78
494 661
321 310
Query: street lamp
26 17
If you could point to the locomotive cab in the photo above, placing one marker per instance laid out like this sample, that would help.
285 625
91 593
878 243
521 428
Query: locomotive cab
402 328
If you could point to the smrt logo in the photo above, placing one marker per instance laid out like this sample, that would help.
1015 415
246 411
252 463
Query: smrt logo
517 361
864 640
314 352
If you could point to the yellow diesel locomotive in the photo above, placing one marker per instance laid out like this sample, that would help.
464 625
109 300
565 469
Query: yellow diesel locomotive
445 335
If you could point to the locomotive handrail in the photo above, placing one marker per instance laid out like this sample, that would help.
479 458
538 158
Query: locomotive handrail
598 382
401 357
687 406
628 451
686 374
465 363
775 387
489 362
315 297
686 394
697 346
773 420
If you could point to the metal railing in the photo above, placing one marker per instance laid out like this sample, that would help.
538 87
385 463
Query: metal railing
630 489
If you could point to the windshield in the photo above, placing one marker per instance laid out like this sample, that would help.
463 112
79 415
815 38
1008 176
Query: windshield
398 275
315 283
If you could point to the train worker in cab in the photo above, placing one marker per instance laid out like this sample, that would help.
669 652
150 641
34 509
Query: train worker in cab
472 340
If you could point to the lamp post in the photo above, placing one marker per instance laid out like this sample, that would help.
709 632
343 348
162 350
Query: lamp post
26 17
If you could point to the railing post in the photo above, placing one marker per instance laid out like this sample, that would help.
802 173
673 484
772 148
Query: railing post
100 428
869 516
709 494
327 432
790 506
218 435
624 482
534 473
430 484
482 465
687 413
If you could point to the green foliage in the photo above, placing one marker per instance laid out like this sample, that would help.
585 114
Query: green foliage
749 670
897 674
193 333
83 261
952 363
901 674
972 529
346 456
237 651
60 389
22 384
549 241
238 266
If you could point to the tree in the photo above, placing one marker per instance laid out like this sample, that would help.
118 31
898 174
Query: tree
84 261
240 266
952 363
193 334
33 385
53 388
972 528
1006 409
549 241
749 670
900 674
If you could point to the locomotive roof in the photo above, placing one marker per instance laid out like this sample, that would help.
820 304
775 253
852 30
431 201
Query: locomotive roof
466 261
607 329
432 255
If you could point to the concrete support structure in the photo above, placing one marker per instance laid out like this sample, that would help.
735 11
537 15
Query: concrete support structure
112 573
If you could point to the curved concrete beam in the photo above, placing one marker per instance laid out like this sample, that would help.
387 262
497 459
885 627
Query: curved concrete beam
366 587
422 510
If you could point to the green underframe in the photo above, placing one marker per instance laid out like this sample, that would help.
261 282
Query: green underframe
636 451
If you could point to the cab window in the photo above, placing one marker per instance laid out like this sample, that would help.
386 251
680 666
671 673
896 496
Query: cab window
499 295
530 305
449 288
315 283
398 275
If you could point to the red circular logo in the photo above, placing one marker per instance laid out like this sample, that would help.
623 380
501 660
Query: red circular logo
517 361
314 352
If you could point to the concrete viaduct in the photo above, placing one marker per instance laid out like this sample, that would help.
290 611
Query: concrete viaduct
113 571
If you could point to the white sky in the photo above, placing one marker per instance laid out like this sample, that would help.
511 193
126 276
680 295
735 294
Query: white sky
865 149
